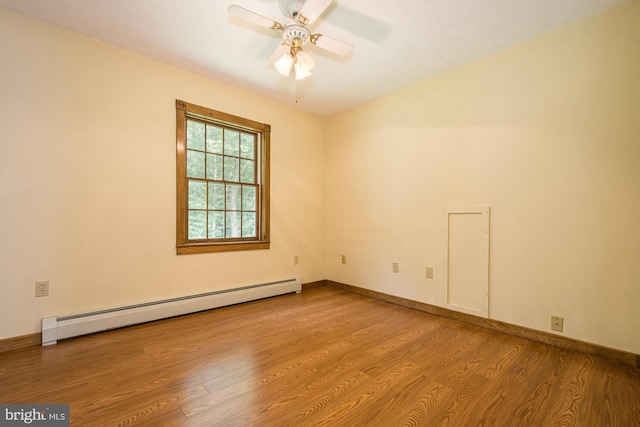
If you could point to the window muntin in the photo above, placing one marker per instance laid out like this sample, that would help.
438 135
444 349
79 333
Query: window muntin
222 194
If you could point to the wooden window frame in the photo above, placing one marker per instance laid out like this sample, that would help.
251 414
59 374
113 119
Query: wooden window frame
185 110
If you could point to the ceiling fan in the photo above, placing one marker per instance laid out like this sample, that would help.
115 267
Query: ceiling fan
295 34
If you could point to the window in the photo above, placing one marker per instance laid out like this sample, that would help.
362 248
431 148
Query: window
222 181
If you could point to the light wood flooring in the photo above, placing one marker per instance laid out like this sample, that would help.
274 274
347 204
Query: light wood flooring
324 357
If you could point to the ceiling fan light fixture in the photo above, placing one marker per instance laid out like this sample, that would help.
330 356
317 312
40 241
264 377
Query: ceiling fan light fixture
302 72
304 64
284 64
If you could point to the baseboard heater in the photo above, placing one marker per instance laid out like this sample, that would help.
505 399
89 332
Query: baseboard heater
58 328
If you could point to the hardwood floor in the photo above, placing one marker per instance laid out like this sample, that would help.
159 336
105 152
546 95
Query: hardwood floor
322 357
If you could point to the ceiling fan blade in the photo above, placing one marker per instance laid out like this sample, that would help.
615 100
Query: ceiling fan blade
249 16
332 45
279 52
312 9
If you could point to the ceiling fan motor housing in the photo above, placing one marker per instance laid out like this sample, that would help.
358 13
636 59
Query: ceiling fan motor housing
296 31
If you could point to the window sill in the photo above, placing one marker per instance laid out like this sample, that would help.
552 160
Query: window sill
201 248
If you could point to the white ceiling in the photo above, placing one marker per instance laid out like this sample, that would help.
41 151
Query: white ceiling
396 43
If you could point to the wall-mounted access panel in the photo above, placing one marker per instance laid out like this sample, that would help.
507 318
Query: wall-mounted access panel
466 258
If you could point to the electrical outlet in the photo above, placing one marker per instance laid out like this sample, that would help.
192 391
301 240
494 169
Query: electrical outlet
295 260
395 267
42 289
557 323
429 272
344 259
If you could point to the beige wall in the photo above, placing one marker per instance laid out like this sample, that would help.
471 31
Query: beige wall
87 179
546 133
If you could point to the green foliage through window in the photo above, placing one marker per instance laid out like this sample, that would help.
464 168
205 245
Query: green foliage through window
222 181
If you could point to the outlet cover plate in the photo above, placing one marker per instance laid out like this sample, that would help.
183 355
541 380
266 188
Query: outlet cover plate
42 289
557 323
429 272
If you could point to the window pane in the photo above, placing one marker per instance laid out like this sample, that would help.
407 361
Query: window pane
248 224
195 164
233 197
247 168
214 139
197 225
216 196
197 195
231 142
233 224
231 169
216 225
247 146
248 198
214 167
195 135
